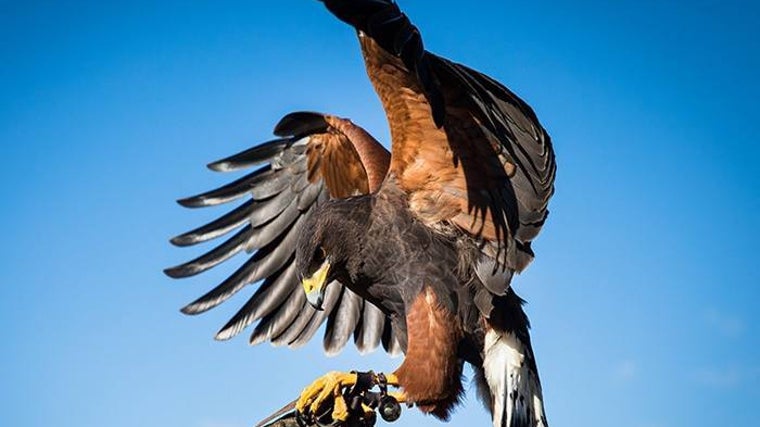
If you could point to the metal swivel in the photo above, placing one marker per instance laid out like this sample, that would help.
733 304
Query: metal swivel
389 408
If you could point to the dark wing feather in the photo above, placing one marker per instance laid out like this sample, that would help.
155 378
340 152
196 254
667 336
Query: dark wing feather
270 294
317 157
519 140
467 151
505 204
342 322
370 331
219 227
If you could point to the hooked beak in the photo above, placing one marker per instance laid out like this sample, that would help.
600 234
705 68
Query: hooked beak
315 285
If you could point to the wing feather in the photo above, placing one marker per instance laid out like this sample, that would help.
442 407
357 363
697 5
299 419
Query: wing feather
267 297
316 157
263 263
470 155
270 208
367 337
219 227
342 322
234 190
273 324
391 339
251 157
265 233
213 257
307 323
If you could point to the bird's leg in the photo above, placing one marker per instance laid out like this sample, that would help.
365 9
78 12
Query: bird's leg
391 380
400 396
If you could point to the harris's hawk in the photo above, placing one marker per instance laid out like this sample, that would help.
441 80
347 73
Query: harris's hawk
414 249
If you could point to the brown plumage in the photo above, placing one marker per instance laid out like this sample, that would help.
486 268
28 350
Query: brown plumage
433 336
415 250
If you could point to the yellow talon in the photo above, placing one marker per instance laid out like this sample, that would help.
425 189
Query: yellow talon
325 387
340 409
331 386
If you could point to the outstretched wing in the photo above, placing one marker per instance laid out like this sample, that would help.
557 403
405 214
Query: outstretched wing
467 151
316 157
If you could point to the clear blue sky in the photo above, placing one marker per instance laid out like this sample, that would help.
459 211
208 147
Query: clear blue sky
644 294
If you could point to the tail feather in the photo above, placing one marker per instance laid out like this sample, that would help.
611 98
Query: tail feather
514 386
509 369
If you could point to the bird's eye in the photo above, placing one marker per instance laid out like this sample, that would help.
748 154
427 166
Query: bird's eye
319 254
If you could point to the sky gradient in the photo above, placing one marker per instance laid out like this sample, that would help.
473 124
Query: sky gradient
644 292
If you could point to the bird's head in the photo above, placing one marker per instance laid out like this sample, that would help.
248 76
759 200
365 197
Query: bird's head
329 241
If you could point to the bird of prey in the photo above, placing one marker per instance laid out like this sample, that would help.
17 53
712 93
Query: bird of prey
414 249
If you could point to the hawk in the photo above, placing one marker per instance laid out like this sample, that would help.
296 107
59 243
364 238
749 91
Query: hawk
413 249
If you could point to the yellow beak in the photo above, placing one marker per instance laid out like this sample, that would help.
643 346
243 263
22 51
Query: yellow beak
315 285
